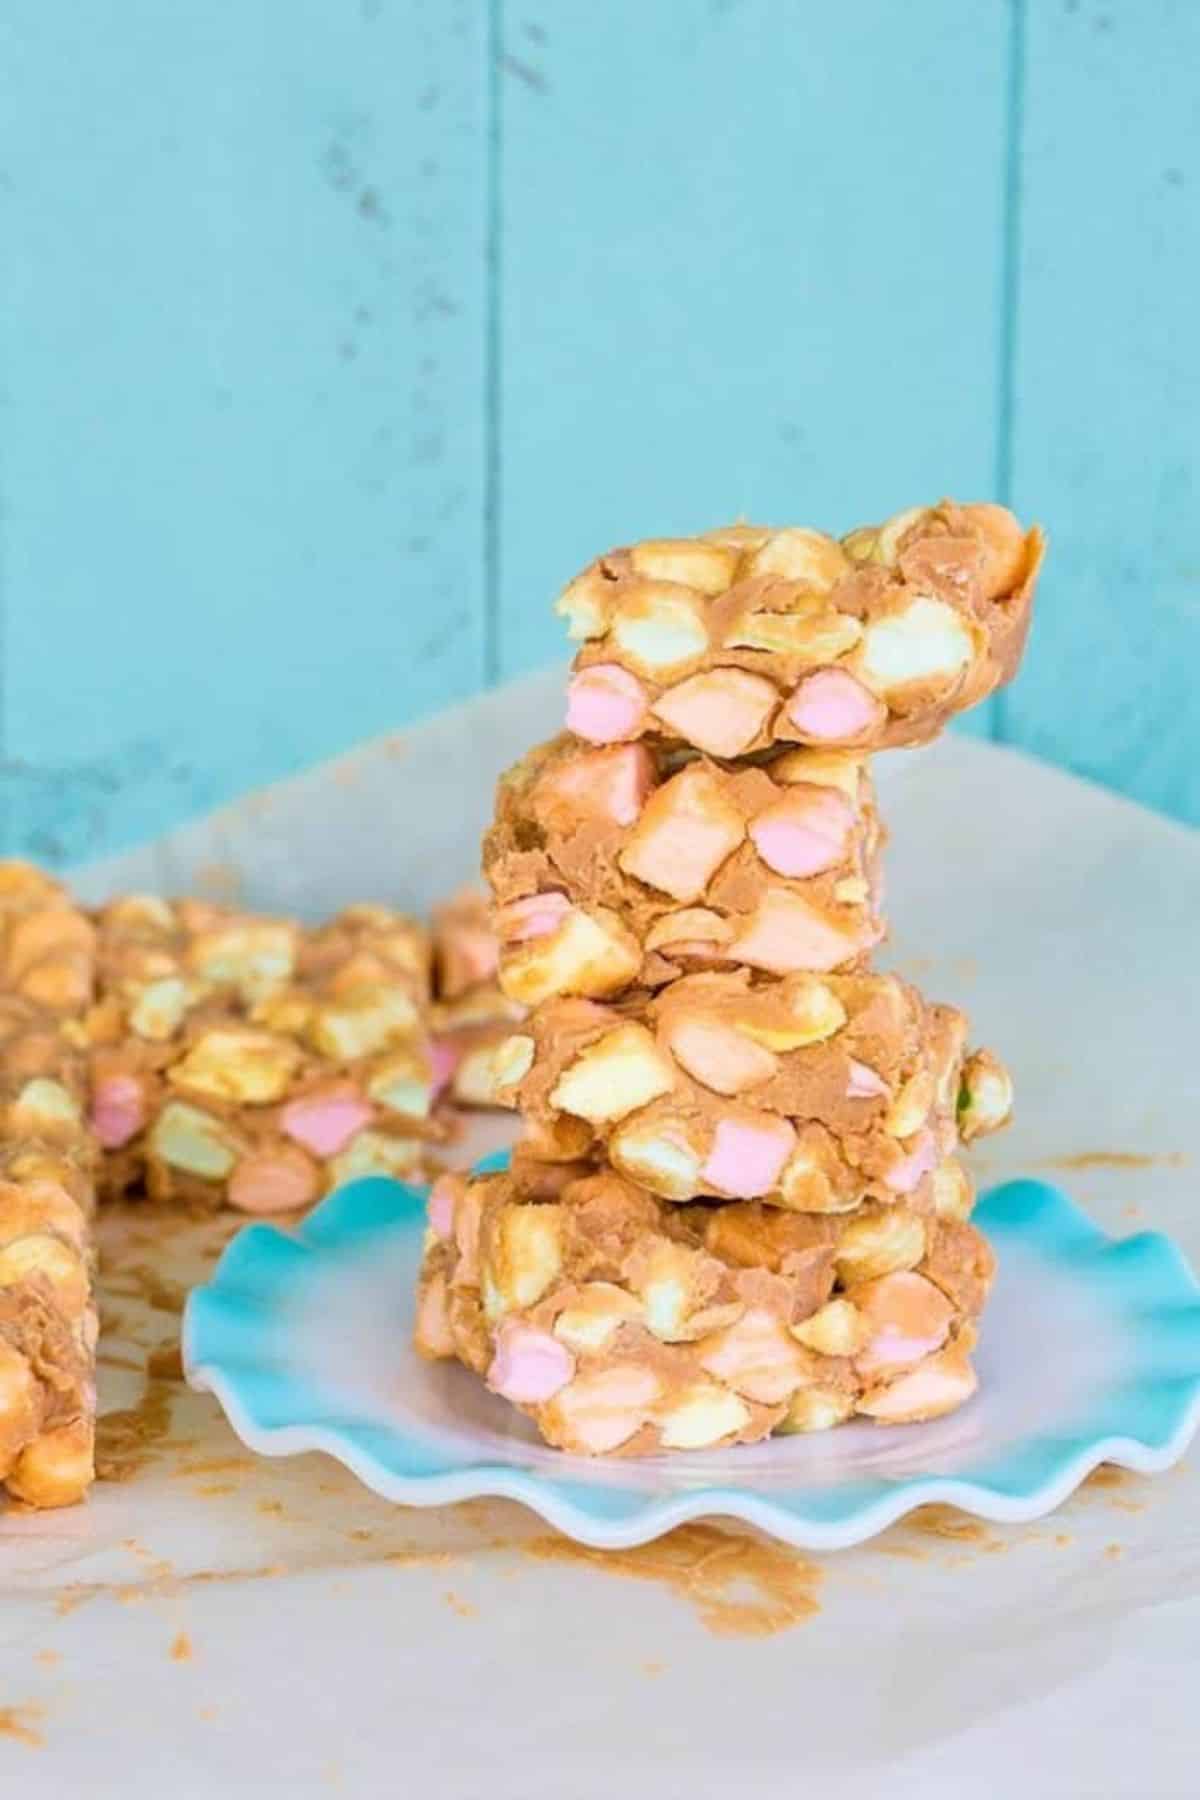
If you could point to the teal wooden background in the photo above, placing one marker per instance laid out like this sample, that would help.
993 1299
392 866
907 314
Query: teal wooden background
335 333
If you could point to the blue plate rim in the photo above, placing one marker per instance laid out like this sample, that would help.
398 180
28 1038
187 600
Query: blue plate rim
1056 1217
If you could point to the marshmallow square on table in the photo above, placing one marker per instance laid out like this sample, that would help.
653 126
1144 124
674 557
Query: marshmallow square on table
251 1061
48 1315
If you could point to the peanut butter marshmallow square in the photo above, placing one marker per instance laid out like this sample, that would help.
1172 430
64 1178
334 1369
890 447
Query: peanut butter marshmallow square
812 1093
630 864
48 1316
248 1060
623 1325
748 636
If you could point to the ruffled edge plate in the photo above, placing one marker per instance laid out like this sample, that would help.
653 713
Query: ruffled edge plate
1090 1354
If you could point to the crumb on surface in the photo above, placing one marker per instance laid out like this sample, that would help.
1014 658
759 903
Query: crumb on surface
73 1595
162 1582
215 1465
740 1586
1114 1483
166 1363
130 1437
1117 1159
947 1522
20 1723
417 1558
152 1286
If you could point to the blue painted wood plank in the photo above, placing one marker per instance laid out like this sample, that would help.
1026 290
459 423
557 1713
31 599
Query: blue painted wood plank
1107 393
242 431
751 262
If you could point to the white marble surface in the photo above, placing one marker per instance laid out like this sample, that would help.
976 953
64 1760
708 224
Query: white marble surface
326 1643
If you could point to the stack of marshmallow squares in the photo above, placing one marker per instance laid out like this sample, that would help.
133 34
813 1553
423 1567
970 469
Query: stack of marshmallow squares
736 1205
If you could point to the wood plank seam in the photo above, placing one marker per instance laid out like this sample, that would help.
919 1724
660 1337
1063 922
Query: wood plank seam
1010 299
492 351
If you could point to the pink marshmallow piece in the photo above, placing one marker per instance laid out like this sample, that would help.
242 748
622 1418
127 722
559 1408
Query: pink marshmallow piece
440 1206
597 1433
891 1347
605 704
786 934
933 1387
528 1366
685 837
756 1356
325 1123
478 954
272 1184
908 1174
866 1083
613 781
830 707
804 833
719 1056
748 1155
118 1110
630 778
721 711
444 1058
909 1318
604 1409
537 916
